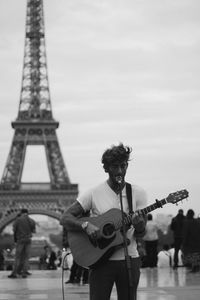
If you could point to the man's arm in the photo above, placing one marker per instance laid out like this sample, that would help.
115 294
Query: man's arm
70 218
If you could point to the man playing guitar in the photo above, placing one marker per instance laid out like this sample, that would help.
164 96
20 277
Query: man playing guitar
98 201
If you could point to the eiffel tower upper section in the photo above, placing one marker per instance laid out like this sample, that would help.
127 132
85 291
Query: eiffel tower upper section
35 124
35 104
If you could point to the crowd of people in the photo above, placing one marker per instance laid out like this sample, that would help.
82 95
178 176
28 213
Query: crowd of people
49 259
184 249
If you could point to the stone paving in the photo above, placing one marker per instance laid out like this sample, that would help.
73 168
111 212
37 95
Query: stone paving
155 284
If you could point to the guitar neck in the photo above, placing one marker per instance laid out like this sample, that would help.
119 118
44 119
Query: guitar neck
172 198
144 211
157 204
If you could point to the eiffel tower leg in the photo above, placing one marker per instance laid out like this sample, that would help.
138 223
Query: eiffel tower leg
57 169
13 170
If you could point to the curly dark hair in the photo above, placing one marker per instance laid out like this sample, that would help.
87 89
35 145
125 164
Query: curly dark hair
115 154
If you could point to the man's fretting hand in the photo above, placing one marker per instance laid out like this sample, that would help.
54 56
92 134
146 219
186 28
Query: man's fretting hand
139 223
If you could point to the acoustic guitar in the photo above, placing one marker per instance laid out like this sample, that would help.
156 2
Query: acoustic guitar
86 253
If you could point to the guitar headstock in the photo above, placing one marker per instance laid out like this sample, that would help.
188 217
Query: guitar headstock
177 196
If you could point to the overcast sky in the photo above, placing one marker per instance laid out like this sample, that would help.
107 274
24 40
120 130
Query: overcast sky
119 70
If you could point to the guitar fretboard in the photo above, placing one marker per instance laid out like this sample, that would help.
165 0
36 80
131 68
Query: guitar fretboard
128 218
172 198
153 206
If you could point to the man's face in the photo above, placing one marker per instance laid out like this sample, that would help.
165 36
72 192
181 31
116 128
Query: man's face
117 171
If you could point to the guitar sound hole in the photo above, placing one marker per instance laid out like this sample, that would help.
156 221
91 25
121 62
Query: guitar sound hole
108 230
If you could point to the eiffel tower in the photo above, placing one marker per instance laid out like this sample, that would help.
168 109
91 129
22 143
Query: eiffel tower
35 125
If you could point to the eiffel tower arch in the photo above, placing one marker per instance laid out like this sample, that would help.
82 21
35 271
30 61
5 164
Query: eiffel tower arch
35 125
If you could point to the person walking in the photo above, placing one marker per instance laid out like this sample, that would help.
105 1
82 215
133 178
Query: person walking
2 259
77 274
191 242
44 258
177 227
151 242
98 201
52 261
23 228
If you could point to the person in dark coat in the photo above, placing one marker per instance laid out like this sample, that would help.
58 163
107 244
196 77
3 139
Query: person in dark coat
191 242
52 261
2 259
177 228
23 228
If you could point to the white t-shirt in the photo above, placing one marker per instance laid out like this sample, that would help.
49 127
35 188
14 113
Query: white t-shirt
164 259
102 198
151 231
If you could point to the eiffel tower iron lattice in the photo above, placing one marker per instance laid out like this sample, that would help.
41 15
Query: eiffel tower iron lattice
35 125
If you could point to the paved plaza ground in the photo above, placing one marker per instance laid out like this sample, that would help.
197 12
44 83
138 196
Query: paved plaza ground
155 284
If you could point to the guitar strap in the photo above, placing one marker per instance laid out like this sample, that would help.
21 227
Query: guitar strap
129 197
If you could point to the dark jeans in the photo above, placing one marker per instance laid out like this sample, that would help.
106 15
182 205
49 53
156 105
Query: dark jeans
78 272
177 247
103 277
22 257
152 253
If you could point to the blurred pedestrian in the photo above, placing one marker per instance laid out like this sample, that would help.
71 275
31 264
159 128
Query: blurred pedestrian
23 228
78 274
151 242
177 227
75 273
52 261
59 258
191 242
44 258
2 259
